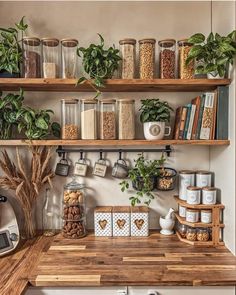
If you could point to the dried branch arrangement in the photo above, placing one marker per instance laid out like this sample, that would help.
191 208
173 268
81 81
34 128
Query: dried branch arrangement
27 181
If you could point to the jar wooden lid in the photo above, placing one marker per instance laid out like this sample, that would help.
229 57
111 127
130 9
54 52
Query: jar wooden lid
69 100
89 101
107 101
127 100
206 211
193 188
186 172
69 42
51 42
102 209
147 40
209 188
203 172
127 41
192 210
184 42
121 209
167 42
31 41
139 209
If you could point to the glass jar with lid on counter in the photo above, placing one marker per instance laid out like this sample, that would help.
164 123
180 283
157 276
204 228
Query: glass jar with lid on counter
128 55
89 119
69 58
107 119
32 57
50 57
126 118
167 58
185 71
70 118
147 58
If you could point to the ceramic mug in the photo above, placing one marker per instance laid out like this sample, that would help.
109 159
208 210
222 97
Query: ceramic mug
155 130
120 169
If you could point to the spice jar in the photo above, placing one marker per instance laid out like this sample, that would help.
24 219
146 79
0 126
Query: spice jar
69 58
186 178
206 216
50 57
126 118
185 71
193 195
108 119
191 234
147 58
128 55
203 234
208 195
167 58
89 119
182 211
192 215
70 118
32 57
203 178
182 229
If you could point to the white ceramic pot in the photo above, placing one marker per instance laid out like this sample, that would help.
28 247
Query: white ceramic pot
167 226
155 130
213 75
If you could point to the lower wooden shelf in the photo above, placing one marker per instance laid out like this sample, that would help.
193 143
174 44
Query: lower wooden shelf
198 243
195 224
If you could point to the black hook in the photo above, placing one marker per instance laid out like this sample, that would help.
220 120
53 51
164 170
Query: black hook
59 150
63 156
81 155
120 154
100 155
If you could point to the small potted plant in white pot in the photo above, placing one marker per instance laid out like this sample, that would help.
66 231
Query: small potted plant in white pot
154 116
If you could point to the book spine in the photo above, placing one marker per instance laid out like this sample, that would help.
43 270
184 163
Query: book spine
214 116
177 122
197 102
207 117
190 127
199 124
182 122
189 106
222 117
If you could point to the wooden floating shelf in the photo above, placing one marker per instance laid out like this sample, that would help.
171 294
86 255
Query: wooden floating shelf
195 224
200 206
113 85
198 243
112 143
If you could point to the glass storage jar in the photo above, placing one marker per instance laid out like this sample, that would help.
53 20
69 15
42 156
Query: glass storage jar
167 59
70 118
147 58
88 119
193 195
203 178
50 57
108 119
69 58
182 229
185 71
192 215
126 118
186 178
128 55
49 215
206 216
32 57
203 235
191 234
209 195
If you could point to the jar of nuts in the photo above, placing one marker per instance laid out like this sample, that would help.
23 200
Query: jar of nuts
166 179
74 193
107 119
147 58
185 71
128 55
191 234
70 118
182 229
167 58
203 234
74 229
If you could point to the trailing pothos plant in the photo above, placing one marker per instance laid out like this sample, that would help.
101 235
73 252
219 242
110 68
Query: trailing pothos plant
142 177
10 49
213 54
99 63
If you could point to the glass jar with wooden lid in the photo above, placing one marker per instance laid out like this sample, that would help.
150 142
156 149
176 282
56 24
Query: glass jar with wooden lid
167 59
69 58
191 234
203 235
206 216
70 118
209 195
50 57
185 71
203 178
128 55
126 118
107 119
147 58
89 118
32 57
192 215
186 178
193 195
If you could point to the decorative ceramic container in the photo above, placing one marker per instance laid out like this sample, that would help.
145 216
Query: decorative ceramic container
139 221
103 221
121 221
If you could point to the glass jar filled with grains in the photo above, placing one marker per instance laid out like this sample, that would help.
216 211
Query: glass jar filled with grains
70 118
167 58
191 234
147 58
69 58
32 57
203 235
128 55
50 57
108 119
126 118
88 119
185 71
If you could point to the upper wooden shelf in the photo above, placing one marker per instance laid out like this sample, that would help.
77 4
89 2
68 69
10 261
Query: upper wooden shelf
112 143
113 85
200 206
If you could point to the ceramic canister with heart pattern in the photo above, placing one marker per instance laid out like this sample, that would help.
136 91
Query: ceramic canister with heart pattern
121 221
139 221
103 221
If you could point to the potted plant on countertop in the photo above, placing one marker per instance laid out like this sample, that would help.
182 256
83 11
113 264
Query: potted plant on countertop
213 54
154 116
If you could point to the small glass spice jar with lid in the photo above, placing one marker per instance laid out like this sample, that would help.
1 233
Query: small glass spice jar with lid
191 234
50 57
192 215
147 58
182 229
107 119
209 195
185 71
89 111
182 211
203 178
193 195
167 59
126 118
203 235
69 119
206 216
32 57
128 55
69 58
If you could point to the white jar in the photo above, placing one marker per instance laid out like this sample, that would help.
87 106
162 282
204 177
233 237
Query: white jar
206 216
192 215
186 178
193 195
208 195
182 211
203 178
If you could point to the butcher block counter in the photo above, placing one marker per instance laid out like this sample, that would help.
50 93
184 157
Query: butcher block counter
153 261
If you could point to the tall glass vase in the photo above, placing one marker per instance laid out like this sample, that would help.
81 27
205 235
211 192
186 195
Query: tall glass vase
29 226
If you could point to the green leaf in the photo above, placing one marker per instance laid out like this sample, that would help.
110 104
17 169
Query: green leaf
195 51
210 38
41 123
196 38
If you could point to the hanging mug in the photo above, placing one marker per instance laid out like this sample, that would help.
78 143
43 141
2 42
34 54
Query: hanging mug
100 167
120 169
63 167
81 166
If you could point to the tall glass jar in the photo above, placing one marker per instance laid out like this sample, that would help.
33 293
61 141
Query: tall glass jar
32 57
167 58
49 215
70 118
108 119
88 119
50 57
128 55
69 58
126 118
74 211
185 71
147 58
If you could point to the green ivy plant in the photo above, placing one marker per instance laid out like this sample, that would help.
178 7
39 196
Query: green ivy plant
154 110
10 49
141 177
213 54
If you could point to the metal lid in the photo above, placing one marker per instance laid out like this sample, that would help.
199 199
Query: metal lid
69 42
186 172
104 101
31 41
70 100
73 185
193 188
127 41
147 40
184 42
209 188
203 172
127 100
51 42
86 100
167 42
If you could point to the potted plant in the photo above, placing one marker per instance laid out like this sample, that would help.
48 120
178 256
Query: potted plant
213 54
154 115
10 50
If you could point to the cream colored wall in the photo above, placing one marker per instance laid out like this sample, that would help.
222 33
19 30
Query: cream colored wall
115 21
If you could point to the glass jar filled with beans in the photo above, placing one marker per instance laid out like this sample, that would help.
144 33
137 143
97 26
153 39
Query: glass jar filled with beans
128 55
167 58
70 118
185 71
147 58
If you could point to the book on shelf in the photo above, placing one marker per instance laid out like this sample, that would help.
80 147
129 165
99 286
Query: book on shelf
199 123
189 107
191 119
178 114
197 102
222 113
182 122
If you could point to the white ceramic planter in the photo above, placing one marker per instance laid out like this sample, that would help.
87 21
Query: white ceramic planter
155 130
213 75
